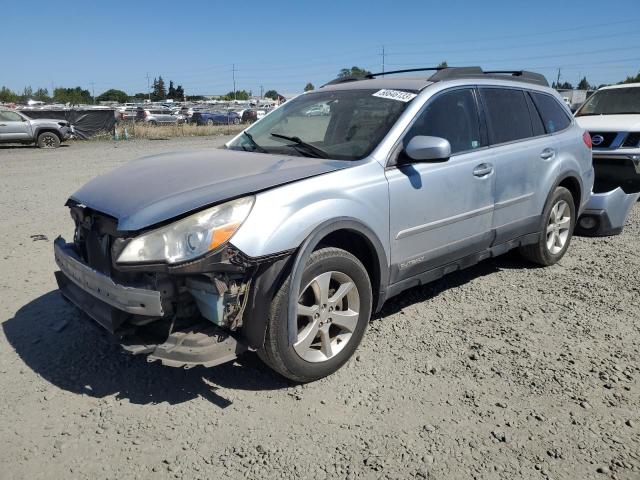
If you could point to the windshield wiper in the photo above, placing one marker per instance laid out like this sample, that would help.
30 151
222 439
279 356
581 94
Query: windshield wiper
254 143
318 152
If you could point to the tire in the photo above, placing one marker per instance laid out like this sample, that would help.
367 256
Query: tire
153 122
303 363
48 140
236 121
210 122
556 230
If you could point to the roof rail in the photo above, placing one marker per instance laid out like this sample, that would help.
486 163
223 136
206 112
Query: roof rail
369 76
450 73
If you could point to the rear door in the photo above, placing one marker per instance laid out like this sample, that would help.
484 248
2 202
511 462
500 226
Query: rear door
442 211
516 155
14 127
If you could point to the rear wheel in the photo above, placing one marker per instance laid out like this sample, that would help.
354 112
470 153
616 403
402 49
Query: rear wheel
210 122
559 218
48 140
333 310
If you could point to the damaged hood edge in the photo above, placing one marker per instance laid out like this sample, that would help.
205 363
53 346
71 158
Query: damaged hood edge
154 189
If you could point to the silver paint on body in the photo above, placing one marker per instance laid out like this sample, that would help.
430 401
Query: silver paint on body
424 210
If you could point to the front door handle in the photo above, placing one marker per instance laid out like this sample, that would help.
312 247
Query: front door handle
482 170
2 125
547 153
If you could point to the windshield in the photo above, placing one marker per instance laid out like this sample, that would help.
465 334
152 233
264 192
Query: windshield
339 124
616 101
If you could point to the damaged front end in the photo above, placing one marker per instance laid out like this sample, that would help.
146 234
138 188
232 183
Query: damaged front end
615 192
200 312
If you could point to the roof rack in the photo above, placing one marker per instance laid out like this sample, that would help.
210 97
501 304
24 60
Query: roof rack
450 73
369 76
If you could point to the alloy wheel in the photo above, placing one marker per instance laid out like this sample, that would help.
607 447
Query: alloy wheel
558 227
328 310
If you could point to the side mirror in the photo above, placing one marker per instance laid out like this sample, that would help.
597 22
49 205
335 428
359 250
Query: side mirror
428 149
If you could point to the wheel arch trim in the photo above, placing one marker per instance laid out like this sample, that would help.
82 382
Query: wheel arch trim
309 245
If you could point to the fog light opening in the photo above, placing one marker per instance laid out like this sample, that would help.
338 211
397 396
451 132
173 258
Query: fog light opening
588 222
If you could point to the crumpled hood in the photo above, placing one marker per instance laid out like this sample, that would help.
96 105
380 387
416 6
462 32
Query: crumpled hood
153 189
610 123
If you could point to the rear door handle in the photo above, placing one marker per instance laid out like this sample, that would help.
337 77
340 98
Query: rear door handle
547 153
2 125
482 170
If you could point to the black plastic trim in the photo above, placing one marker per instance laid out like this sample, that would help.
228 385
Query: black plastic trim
305 250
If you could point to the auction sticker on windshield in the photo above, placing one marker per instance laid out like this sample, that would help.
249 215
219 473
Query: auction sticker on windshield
395 95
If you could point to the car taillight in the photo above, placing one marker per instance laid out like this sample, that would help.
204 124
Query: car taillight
587 139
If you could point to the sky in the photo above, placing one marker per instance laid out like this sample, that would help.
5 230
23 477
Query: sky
282 45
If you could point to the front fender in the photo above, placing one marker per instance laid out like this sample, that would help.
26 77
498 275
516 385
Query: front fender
283 217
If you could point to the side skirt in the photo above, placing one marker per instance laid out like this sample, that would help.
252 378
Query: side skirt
460 264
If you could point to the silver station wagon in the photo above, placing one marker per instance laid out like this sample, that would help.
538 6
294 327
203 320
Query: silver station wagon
286 240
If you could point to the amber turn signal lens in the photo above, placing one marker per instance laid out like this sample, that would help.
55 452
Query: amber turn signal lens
222 234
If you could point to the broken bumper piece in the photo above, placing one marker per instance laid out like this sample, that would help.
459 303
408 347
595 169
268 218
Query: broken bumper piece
606 213
203 344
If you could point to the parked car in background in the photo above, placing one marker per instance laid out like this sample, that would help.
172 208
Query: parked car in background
288 239
127 114
318 110
215 118
250 115
16 127
612 118
158 115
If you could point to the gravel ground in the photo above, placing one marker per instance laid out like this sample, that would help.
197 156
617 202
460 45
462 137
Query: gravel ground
499 371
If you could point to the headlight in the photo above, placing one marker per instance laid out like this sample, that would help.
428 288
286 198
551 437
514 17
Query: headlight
190 237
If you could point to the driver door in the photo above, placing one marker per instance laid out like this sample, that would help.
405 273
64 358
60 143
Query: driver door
442 211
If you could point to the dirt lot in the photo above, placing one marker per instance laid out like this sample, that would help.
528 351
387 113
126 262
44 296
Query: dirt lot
500 371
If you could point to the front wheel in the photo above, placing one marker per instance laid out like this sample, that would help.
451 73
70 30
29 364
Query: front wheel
333 310
48 140
559 218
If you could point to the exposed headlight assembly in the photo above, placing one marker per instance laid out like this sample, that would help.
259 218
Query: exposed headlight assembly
190 237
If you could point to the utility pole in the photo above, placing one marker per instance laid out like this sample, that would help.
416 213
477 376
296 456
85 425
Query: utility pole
558 80
51 89
261 90
233 73
148 88
93 93
383 60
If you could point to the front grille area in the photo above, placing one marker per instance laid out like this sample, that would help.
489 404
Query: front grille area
632 140
607 139
93 238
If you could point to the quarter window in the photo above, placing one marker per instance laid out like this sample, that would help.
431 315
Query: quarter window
554 116
507 114
453 116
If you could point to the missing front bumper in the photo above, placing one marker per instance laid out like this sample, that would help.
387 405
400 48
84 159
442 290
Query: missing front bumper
113 306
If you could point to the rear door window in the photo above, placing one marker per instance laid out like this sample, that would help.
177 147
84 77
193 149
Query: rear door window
554 116
507 114
536 121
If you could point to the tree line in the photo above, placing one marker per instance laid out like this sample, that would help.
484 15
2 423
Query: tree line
160 91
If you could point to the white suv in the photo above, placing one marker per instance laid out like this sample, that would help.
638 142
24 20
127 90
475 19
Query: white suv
612 118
